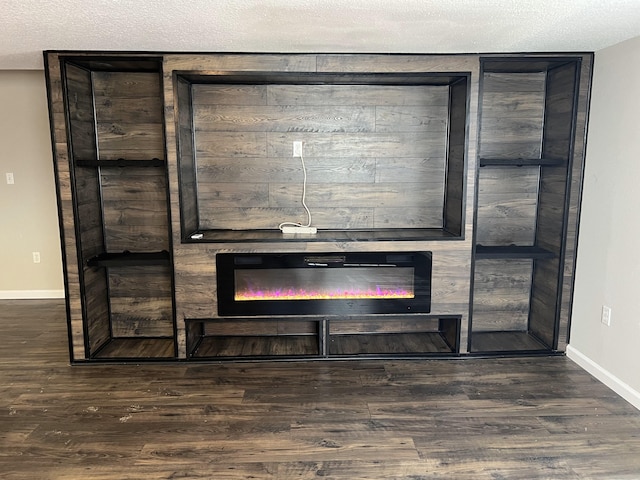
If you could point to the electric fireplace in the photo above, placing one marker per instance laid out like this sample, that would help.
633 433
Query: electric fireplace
323 283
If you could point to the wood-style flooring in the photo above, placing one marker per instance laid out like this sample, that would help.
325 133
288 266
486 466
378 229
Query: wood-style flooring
529 418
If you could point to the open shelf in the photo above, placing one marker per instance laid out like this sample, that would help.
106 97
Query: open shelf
511 251
122 162
127 259
505 342
257 346
137 348
275 235
519 162
389 344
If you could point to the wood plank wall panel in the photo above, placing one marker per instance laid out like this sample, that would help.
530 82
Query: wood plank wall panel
216 64
454 195
128 115
507 205
135 209
65 204
501 295
188 199
261 327
82 128
512 115
96 305
406 324
140 299
574 195
87 199
81 187
245 164
558 135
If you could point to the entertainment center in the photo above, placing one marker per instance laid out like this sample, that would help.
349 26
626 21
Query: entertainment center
445 190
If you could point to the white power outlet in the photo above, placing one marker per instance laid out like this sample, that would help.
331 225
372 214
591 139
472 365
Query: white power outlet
10 180
606 315
297 148
36 257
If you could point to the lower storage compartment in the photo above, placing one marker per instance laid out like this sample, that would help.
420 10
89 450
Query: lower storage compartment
137 349
129 312
504 318
506 341
315 338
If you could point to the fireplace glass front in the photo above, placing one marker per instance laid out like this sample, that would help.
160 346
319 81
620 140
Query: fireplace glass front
337 284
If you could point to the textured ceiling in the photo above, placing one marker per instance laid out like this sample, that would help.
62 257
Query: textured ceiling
428 26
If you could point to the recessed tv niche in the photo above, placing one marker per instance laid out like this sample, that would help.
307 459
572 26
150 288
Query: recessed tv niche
384 155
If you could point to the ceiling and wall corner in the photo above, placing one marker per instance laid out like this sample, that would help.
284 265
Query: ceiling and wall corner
381 26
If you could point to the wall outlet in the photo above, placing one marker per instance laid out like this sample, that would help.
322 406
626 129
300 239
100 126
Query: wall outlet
9 178
606 315
36 257
297 149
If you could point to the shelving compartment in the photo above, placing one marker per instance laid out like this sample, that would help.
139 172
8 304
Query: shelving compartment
254 338
409 336
526 140
119 185
322 337
384 154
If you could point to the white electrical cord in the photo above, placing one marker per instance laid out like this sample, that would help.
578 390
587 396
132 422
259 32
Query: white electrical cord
304 196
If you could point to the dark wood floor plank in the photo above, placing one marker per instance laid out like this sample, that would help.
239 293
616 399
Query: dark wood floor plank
467 419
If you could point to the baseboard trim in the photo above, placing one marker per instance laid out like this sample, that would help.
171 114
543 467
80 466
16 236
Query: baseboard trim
614 383
30 294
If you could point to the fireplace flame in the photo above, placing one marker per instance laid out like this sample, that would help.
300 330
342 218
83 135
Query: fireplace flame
292 294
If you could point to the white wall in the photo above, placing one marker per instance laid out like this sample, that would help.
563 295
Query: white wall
608 262
28 211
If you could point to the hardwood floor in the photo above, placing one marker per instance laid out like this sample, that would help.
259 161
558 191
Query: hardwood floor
456 419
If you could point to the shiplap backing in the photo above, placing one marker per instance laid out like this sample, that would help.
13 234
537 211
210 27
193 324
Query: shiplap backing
375 155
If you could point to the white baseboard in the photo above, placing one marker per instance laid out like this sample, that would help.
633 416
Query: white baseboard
30 294
614 383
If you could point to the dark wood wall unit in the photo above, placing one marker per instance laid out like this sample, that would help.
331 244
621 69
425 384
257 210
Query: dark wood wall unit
528 127
163 161
120 196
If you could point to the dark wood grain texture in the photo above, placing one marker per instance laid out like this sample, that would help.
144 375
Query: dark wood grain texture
480 419
247 178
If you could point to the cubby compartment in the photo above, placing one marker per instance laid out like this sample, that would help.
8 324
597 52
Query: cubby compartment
322 337
119 186
231 338
384 155
527 128
409 336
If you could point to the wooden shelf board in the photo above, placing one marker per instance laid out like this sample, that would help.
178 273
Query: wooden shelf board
137 348
388 344
125 259
511 251
122 162
257 346
519 162
275 235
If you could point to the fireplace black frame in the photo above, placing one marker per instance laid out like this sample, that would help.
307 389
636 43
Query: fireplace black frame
228 263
